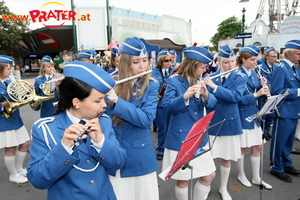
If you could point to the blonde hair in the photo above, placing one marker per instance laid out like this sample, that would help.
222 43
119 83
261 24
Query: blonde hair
42 68
125 90
288 52
187 69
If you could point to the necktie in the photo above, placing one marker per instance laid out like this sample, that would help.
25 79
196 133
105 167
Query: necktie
83 123
294 69
166 73
4 82
223 80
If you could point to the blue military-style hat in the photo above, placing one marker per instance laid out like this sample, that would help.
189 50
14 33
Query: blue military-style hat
115 52
47 59
226 52
90 74
198 53
90 54
163 52
134 46
6 59
251 49
76 54
293 44
173 52
268 49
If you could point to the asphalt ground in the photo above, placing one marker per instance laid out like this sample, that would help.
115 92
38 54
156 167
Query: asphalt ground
281 190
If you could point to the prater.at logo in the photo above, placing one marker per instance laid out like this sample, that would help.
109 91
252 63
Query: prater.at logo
50 13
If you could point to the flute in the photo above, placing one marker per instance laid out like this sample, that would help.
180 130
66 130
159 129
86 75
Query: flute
85 130
121 81
218 75
133 77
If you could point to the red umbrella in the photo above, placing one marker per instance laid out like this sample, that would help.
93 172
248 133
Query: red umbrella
190 147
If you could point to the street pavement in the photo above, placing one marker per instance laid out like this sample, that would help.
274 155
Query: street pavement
281 190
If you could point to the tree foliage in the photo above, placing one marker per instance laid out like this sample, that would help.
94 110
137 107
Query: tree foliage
226 28
11 30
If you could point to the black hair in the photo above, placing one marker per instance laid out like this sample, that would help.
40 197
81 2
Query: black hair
69 89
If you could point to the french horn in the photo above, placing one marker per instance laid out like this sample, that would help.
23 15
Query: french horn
21 93
48 90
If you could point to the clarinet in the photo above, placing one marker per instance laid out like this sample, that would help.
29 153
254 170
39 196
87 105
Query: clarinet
268 96
161 93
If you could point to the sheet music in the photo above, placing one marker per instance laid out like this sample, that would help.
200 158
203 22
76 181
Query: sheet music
268 106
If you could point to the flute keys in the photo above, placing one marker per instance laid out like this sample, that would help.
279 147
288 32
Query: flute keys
77 143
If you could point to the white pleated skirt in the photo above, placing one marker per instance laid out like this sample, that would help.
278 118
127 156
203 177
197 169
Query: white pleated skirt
13 137
202 165
251 137
226 147
135 188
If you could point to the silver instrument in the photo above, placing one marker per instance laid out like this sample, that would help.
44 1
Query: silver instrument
221 74
76 143
133 77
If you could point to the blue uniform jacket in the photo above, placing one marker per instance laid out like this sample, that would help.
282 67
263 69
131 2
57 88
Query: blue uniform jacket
182 117
157 74
284 78
51 166
228 96
248 105
47 108
134 134
16 121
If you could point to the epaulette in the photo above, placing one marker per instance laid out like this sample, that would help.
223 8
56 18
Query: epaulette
105 115
44 121
280 65
172 76
153 79
240 73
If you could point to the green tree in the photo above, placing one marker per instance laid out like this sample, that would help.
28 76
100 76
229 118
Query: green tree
10 30
226 28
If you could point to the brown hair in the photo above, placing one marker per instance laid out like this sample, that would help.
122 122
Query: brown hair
161 59
125 90
2 67
187 69
245 55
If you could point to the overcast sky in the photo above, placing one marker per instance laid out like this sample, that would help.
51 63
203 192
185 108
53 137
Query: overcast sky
205 15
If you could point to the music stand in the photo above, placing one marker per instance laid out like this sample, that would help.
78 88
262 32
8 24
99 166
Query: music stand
190 149
268 108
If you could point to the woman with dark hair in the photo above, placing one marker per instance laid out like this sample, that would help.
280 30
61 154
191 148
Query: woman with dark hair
252 133
66 161
185 108
13 134
132 107
161 73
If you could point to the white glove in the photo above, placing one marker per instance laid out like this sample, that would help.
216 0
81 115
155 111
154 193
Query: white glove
112 96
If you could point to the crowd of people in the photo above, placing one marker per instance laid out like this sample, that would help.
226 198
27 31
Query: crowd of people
93 138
